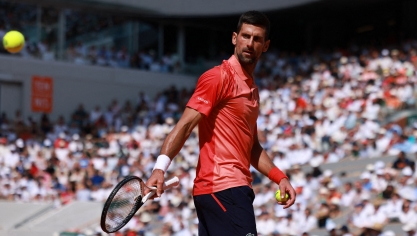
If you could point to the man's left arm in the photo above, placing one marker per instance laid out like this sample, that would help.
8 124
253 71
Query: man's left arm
261 161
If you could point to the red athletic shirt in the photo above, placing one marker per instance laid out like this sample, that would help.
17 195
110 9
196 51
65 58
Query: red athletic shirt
228 98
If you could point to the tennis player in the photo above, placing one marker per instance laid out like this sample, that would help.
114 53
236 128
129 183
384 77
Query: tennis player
225 105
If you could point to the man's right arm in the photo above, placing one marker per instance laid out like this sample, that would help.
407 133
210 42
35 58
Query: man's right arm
173 144
182 130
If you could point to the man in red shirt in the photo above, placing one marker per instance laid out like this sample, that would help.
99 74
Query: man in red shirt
225 105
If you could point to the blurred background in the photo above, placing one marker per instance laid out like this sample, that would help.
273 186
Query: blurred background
100 83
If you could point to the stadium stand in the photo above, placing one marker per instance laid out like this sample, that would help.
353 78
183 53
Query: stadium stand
341 123
82 159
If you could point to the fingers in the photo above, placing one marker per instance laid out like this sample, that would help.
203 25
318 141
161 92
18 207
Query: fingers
291 198
155 181
146 190
159 187
286 188
283 190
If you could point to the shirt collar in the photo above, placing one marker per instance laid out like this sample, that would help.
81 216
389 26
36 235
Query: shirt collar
238 68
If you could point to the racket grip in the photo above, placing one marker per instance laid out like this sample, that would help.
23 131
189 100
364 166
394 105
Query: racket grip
173 182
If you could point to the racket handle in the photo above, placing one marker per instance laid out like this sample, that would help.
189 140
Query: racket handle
173 182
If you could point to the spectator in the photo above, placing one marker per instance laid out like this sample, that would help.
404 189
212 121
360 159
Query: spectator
265 224
402 161
80 116
379 216
83 193
366 183
322 215
344 231
308 220
407 215
393 207
97 179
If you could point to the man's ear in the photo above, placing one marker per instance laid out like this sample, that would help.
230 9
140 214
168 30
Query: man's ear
234 38
266 46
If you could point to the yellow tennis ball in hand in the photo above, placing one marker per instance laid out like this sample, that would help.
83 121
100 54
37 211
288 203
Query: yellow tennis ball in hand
278 196
13 41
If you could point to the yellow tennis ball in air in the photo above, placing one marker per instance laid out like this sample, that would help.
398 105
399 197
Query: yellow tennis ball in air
13 41
278 196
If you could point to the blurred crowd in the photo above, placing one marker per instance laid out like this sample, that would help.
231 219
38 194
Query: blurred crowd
23 17
317 108
107 56
121 58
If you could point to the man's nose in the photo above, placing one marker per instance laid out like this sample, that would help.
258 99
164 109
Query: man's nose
250 43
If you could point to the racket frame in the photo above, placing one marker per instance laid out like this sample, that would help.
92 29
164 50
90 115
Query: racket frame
107 204
138 202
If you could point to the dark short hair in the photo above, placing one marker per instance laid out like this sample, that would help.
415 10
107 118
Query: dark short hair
254 18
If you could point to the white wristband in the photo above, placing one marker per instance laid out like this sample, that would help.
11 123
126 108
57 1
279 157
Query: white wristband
162 163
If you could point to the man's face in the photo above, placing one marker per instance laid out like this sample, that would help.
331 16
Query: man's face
250 43
348 187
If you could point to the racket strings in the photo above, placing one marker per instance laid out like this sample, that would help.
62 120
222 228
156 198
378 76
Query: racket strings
123 203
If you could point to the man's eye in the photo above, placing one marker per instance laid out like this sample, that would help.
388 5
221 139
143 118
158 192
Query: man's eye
258 39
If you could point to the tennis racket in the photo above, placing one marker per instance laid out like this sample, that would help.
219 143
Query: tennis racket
125 200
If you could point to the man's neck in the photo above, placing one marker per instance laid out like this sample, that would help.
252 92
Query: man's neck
248 69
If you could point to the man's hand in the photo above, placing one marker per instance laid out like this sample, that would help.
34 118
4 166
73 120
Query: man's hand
285 187
156 180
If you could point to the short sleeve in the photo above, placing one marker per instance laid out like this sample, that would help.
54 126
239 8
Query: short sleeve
206 96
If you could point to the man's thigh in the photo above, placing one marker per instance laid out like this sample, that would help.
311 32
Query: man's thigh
228 212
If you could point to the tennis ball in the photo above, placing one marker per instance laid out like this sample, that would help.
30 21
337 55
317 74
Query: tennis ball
13 41
278 196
